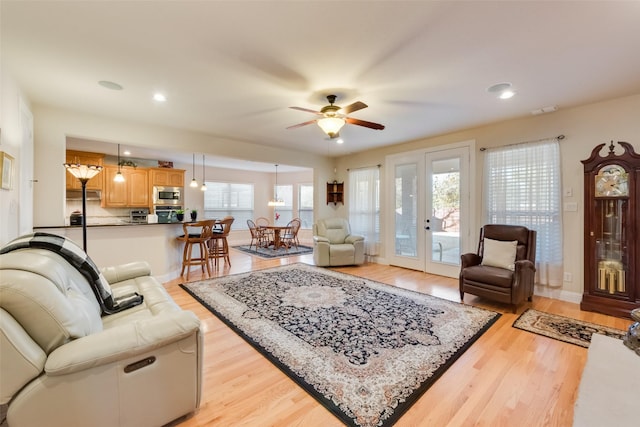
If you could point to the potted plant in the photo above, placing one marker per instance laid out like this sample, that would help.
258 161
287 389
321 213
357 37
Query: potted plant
180 214
194 215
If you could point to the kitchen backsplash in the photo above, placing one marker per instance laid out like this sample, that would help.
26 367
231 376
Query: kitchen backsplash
97 214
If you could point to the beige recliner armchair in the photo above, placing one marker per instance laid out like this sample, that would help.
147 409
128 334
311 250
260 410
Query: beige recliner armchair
333 243
63 362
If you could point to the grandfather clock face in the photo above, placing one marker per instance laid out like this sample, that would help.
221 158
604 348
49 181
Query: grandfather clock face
612 181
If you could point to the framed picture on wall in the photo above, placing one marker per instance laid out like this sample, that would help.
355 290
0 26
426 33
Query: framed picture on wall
6 170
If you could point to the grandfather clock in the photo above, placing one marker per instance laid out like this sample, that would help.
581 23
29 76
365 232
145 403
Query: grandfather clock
612 231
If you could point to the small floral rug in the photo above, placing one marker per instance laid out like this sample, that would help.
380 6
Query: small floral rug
562 328
365 350
271 253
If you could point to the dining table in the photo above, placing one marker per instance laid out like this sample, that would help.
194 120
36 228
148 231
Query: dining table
277 229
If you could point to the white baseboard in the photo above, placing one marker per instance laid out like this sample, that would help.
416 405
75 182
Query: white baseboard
557 293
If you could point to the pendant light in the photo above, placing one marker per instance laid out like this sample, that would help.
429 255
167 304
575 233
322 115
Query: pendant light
194 183
204 185
119 177
276 201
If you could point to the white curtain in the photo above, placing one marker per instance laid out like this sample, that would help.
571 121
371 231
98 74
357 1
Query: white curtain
523 187
364 207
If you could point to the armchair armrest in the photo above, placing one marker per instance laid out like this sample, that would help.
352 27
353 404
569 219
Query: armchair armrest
320 239
120 273
524 264
351 238
470 259
121 342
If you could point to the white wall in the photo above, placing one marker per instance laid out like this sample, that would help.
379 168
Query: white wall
10 143
584 127
52 126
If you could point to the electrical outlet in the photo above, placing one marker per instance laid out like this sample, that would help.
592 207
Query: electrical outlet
568 277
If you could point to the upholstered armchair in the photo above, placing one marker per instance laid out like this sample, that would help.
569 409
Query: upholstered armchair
504 267
333 243
65 362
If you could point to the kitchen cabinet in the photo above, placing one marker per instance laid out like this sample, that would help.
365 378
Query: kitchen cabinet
166 177
84 158
611 225
133 192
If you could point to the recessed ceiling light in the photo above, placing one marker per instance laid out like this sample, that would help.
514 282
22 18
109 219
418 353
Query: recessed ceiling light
502 90
110 85
159 97
339 141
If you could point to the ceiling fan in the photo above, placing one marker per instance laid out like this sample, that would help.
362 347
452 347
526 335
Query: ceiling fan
334 117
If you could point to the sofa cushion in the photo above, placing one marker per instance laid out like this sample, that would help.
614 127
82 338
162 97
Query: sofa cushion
500 254
50 299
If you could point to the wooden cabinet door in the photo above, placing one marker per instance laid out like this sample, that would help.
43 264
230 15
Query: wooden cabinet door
176 178
86 158
166 177
133 192
138 182
115 193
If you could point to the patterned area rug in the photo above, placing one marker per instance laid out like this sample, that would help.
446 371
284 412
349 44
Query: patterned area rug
270 253
563 328
365 350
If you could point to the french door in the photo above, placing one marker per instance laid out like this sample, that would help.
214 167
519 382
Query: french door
429 214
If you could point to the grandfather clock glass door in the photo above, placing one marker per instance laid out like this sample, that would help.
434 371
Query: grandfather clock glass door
611 246
612 230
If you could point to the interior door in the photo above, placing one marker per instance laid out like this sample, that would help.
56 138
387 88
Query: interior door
446 219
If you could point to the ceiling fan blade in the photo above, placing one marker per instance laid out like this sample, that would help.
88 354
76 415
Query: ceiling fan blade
299 125
365 123
306 110
353 107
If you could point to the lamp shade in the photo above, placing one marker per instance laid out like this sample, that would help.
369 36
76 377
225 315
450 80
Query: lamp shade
331 125
82 172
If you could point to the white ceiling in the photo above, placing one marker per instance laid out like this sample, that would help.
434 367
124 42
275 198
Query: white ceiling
232 68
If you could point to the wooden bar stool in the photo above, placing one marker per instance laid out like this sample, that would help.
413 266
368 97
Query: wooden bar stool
196 234
218 245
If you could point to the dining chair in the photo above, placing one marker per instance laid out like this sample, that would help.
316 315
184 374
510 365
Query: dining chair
262 222
196 234
257 235
289 237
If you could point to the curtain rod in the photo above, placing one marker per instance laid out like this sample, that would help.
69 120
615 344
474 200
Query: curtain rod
559 138
363 167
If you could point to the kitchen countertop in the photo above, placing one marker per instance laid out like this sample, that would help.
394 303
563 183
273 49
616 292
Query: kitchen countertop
117 224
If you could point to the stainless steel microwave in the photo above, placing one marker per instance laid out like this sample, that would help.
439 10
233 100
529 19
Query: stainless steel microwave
167 196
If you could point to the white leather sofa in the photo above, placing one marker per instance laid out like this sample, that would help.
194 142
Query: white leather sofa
333 243
63 364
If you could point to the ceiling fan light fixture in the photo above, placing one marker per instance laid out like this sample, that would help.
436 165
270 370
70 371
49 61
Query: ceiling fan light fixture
331 125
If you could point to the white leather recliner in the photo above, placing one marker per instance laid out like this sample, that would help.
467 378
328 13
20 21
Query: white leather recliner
333 243
63 364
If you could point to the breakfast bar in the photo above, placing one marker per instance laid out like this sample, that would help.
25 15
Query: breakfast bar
119 243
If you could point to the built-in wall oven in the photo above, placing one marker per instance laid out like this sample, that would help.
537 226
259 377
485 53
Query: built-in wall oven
167 196
167 214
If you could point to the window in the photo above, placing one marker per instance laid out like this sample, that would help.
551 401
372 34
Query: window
285 213
305 205
523 187
225 198
364 207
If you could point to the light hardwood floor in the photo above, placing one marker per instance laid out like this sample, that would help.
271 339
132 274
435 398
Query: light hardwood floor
508 377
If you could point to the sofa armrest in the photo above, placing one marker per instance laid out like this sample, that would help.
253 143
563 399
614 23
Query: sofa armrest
351 238
120 273
121 342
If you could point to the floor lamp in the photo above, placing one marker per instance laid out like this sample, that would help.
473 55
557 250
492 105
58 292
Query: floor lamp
84 173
